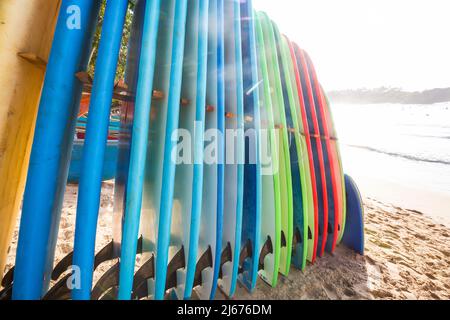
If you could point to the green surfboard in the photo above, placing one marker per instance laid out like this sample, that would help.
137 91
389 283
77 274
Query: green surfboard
302 192
271 198
279 118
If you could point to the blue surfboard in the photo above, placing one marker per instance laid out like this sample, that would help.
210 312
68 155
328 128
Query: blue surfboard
187 202
234 147
127 110
116 159
160 168
49 162
219 49
354 227
95 145
209 251
109 162
140 71
251 216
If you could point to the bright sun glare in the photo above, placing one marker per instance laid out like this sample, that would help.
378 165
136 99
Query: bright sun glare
370 43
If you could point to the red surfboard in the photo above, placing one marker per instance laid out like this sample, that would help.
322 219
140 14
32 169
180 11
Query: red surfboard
330 158
317 149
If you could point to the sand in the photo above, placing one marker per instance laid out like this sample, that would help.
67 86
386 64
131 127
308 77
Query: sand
407 257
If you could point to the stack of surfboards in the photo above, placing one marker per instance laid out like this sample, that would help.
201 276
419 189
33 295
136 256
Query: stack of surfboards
228 165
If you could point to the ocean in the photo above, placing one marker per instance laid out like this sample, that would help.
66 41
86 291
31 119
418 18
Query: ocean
398 154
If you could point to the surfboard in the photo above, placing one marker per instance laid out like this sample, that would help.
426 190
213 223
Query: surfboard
109 162
332 169
209 244
307 174
160 168
301 181
95 145
302 119
132 154
234 149
283 145
106 287
340 171
354 229
271 200
26 31
251 216
187 203
316 147
50 154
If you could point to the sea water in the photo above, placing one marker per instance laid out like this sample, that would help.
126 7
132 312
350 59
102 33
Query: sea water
399 154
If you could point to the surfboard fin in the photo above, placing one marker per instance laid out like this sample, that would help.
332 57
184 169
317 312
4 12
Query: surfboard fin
6 293
108 281
147 271
246 252
283 240
103 255
225 257
204 262
266 249
177 262
297 238
59 291
330 228
8 278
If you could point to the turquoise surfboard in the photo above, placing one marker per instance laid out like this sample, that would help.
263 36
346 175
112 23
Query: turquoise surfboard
187 202
160 167
212 194
234 147
140 74
251 216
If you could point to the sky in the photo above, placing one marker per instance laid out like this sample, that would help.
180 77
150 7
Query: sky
370 43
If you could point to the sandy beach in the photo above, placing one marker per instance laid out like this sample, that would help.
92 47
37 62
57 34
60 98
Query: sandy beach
407 257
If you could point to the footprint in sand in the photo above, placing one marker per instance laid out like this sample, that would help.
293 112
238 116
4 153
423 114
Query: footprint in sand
445 253
430 275
381 294
370 260
421 237
330 291
435 296
349 292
